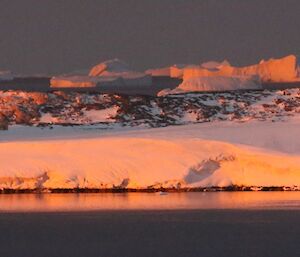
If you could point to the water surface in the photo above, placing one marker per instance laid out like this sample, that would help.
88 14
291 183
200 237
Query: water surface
148 201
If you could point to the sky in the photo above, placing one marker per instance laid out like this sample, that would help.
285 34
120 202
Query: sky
58 36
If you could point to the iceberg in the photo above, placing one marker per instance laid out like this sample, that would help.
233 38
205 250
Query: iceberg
217 83
85 82
111 73
273 70
110 68
177 70
72 81
213 65
117 69
173 71
6 76
159 72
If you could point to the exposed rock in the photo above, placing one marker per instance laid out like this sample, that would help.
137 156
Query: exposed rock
63 108
3 122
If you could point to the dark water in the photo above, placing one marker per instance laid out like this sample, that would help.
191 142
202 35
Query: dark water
188 224
42 84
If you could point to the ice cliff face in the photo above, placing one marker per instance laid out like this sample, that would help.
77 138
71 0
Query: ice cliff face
215 76
214 84
208 76
61 108
273 70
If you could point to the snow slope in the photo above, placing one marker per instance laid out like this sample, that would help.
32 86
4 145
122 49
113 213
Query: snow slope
244 138
202 155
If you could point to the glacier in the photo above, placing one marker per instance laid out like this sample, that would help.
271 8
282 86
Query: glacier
217 154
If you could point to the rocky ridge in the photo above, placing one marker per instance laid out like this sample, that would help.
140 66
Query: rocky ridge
71 108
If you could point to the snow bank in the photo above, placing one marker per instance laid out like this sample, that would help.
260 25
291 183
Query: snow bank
170 157
206 84
104 115
273 70
90 116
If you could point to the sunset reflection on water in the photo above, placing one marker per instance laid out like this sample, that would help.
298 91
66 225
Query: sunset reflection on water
148 201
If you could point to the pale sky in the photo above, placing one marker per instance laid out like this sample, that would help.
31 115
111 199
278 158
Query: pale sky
52 36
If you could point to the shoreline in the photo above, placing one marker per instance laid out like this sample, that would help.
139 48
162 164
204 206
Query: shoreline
151 190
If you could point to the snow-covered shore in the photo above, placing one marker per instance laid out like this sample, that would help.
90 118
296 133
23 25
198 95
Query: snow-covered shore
216 154
81 141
